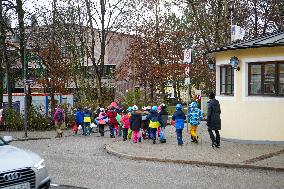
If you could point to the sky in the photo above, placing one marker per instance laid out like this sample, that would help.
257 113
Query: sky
31 6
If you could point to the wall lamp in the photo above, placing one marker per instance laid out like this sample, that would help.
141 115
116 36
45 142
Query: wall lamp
235 62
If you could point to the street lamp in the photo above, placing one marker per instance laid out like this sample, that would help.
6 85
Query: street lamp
26 82
231 9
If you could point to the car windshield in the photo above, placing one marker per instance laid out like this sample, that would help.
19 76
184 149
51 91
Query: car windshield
2 143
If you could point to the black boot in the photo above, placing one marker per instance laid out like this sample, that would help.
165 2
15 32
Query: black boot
217 145
192 138
196 139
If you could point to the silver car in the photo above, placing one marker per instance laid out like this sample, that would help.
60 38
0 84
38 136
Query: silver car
21 169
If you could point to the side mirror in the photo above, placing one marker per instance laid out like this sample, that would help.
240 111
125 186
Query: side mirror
8 139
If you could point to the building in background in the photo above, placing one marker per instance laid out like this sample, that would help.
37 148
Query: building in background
116 50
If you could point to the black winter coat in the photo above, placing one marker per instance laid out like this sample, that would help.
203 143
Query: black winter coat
164 118
213 116
135 122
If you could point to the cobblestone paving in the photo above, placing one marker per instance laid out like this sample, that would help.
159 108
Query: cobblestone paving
230 153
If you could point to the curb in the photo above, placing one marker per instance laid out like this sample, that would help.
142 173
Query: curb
27 139
189 162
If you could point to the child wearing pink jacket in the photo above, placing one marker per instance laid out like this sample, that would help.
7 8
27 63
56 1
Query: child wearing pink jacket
125 121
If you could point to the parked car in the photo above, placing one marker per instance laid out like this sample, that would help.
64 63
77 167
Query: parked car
21 169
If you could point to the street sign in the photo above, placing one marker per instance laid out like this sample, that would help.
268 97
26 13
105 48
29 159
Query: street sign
186 71
187 81
187 56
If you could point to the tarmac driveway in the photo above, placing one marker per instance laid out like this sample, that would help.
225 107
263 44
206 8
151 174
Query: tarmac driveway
82 161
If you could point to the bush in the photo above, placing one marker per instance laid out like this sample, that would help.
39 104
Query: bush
13 120
38 121
133 97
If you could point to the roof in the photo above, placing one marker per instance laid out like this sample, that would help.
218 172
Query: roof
269 40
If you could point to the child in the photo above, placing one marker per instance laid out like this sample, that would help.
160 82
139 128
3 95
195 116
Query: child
118 118
194 118
179 118
79 117
59 120
125 121
155 121
75 128
144 123
87 122
111 114
159 128
135 124
130 111
164 118
101 121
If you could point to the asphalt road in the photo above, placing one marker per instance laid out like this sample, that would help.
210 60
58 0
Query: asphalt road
82 162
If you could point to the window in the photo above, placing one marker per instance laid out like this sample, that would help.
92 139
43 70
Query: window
227 80
108 71
88 72
266 79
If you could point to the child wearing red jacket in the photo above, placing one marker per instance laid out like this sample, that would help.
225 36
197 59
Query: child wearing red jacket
101 121
125 121
111 114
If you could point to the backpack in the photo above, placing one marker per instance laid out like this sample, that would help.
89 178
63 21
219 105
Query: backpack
60 116
87 118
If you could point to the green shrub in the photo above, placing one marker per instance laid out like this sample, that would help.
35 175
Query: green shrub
13 120
38 121
133 97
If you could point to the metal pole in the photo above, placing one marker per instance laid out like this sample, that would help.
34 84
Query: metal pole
188 99
25 91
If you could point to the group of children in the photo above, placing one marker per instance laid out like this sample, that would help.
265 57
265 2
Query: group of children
147 123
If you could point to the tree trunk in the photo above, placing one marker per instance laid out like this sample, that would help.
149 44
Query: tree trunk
99 88
98 70
145 93
52 91
21 15
1 80
152 92
255 19
178 91
103 50
175 91
52 98
2 43
5 59
8 75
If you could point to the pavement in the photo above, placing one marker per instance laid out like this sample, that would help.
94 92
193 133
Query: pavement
83 162
231 154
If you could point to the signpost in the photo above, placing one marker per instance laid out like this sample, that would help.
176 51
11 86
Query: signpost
187 60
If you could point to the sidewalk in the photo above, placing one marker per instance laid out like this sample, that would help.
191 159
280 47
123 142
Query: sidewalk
35 135
229 155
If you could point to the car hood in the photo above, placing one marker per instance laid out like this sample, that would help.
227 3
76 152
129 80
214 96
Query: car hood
14 158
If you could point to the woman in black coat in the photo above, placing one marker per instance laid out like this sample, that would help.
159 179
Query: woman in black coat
214 120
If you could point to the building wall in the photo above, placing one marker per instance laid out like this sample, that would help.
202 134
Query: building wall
250 117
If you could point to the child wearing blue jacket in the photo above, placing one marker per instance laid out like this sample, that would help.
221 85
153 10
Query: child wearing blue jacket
194 118
79 117
179 118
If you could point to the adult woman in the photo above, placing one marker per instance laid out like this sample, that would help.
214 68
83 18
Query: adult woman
213 120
